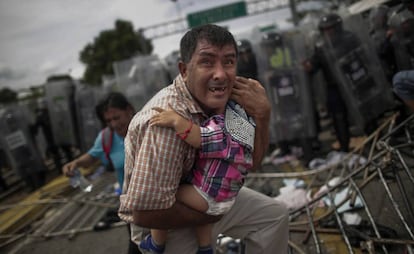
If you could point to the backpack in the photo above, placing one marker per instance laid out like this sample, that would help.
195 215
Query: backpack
107 135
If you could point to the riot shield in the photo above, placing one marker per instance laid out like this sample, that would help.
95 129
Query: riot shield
288 87
18 145
171 64
60 102
139 78
86 99
358 73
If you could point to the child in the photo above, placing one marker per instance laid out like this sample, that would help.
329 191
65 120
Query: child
225 143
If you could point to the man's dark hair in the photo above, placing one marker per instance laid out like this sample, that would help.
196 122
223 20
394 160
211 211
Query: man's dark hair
213 34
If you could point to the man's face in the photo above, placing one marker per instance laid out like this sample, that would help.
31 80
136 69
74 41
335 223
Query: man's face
118 120
210 75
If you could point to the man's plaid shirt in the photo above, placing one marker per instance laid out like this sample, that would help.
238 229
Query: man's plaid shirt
156 160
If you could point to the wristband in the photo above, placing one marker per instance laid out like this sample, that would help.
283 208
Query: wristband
184 135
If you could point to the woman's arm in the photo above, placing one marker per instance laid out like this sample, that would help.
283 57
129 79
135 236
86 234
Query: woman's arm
85 160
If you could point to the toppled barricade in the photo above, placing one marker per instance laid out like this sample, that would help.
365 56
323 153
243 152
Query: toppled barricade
360 202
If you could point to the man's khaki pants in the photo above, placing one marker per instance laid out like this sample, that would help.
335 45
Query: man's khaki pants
260 221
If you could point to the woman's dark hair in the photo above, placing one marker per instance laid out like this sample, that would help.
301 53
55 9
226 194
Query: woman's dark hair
213 34
112 100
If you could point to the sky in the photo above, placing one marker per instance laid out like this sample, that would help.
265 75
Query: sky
40 38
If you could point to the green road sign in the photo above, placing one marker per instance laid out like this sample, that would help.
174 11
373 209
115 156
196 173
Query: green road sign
268 28
217 14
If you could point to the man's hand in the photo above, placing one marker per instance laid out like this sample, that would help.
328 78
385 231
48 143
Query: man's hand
251 95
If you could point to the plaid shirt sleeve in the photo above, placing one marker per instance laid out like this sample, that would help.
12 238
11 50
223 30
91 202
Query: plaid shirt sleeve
155 159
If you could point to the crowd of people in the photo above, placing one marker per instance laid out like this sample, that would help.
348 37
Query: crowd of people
181 160
171 141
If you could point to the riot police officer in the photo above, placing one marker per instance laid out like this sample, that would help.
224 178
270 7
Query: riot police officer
378 20
292 119
400 36
399 45
19 147
246 65
278 77
403 81
42 122
340 41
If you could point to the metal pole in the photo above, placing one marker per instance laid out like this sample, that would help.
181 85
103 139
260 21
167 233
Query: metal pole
295 18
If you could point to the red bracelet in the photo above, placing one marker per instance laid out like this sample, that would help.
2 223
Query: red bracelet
184 135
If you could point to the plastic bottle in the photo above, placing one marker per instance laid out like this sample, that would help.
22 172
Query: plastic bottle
78 180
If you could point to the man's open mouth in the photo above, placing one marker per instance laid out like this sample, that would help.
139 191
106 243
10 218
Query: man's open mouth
219 89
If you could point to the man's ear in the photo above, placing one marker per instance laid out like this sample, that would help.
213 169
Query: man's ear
182 67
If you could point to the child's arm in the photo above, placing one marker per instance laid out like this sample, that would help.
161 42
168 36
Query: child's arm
185 129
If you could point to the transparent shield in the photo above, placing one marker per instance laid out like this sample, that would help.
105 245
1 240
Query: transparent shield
287 86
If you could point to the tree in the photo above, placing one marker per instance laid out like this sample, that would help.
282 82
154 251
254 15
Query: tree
112 45
7 96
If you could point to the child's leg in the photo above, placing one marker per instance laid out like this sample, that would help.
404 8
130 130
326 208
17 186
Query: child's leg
188 195
155 242
159 236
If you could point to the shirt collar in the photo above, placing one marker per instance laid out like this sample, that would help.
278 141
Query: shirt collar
191 103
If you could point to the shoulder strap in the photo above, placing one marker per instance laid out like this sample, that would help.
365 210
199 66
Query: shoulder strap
107 142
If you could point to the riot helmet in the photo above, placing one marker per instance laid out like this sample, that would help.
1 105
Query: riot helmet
244 46
246 63
272 38
330 21
378 17
402 23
